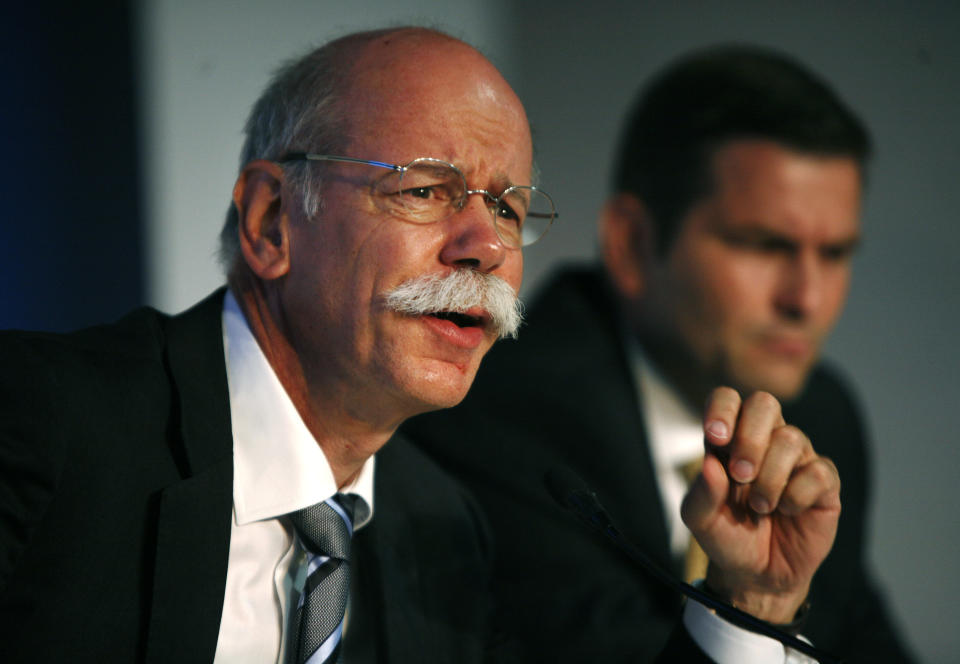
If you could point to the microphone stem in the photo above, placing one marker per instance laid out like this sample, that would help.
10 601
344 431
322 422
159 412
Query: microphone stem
729 612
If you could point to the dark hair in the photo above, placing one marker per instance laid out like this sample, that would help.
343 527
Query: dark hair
711 97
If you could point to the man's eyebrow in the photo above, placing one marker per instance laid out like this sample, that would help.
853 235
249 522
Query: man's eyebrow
499 181
754 231
758 232
846 245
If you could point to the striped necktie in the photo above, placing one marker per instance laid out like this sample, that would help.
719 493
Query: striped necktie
325 530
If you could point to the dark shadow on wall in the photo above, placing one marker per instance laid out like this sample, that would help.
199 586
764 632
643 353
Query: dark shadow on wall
70 210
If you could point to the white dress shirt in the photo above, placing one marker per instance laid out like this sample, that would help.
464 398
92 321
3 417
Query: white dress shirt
278 468
675 436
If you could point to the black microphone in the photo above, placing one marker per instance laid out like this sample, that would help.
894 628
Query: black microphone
572 493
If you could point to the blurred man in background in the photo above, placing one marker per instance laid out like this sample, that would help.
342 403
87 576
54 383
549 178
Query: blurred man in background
726 251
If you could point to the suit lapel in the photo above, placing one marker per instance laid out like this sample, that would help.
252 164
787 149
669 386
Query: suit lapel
193 531
391 592
579 306
190 569
391 562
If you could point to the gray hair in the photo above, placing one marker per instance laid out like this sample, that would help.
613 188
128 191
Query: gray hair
299 111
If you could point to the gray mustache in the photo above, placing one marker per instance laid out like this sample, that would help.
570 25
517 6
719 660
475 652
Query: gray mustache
459 291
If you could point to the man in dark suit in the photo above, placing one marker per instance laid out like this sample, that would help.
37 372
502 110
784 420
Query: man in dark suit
726 249
148 467
160 475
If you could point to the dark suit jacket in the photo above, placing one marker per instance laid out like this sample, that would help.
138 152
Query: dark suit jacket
563 395
116 479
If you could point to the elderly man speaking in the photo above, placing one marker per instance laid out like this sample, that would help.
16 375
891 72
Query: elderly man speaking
202 487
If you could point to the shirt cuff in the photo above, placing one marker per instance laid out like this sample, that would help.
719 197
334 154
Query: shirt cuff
725 643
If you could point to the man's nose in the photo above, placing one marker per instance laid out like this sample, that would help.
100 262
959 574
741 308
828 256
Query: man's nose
801 283
472 240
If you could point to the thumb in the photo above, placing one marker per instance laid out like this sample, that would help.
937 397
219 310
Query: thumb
707 495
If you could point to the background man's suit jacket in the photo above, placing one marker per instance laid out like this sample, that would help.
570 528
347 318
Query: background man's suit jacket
563 395
115 504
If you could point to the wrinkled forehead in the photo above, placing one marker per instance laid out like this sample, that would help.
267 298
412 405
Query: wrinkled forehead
414 95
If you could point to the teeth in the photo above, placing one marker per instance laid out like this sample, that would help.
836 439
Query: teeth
457 318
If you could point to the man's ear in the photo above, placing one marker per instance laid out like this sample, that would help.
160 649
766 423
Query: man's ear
626 243
262 219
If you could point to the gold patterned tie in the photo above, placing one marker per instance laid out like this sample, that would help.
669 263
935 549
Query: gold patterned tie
695 565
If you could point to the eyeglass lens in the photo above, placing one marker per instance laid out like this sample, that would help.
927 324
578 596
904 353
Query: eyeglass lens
428 191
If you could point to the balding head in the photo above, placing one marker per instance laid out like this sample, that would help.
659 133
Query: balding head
406 72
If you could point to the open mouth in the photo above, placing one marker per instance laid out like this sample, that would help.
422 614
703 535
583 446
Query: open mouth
458 319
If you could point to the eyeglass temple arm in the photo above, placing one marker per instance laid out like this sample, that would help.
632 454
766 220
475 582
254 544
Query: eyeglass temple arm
541 215
308 156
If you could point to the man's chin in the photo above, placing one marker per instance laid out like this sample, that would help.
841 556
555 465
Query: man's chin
431 403
785 385
436 391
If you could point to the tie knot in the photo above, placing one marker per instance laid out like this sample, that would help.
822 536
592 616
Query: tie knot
691 469
326 528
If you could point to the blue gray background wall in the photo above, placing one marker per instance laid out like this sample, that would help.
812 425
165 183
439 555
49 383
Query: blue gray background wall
122 125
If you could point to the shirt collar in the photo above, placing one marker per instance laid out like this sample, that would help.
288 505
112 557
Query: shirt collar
278 466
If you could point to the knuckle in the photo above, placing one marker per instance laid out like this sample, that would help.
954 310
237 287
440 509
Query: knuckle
828 462
791 438
830 468
822 471
764 400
